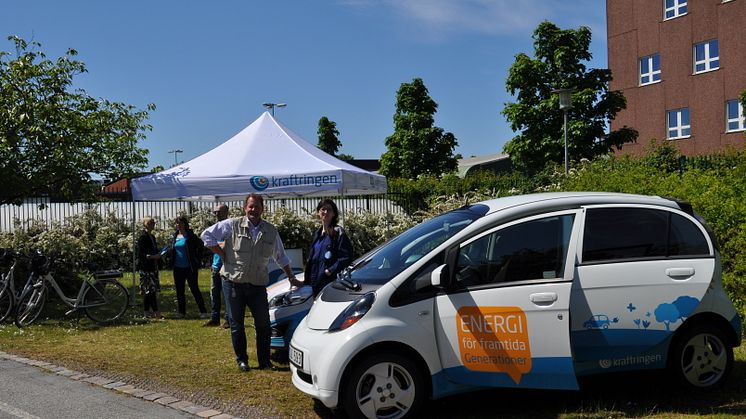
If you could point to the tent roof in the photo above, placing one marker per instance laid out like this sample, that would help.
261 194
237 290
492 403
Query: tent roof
266 157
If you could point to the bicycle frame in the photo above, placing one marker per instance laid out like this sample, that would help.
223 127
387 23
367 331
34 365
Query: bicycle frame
75 303
9 277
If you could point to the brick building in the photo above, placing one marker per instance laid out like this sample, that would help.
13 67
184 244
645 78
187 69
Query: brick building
681 64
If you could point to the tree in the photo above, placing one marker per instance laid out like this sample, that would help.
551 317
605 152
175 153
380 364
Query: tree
558 63
345 157
55 139
328 136
667 313
417 147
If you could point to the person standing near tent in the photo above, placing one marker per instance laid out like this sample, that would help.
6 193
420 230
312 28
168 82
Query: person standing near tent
216 288
148 257
186 254
331 249
249 243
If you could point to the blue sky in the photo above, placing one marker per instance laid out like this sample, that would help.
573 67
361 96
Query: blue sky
208 66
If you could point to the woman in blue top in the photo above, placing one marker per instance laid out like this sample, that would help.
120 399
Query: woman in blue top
331 249
186 254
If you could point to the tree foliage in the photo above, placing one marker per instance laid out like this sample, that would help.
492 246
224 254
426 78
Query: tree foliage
328 136
55 139
559 63
417 147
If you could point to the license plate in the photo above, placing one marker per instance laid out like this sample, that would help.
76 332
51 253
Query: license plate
296 357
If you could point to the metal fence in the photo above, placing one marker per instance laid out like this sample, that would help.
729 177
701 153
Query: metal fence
50 213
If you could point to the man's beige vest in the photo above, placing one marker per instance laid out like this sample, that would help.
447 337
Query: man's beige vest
246 257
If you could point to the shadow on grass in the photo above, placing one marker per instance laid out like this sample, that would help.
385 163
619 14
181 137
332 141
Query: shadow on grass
603 396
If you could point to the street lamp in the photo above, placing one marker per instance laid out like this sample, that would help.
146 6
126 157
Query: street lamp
176 152
271 106
565 103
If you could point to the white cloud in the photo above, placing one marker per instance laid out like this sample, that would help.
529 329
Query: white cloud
492 17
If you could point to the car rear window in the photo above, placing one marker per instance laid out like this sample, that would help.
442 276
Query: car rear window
640 233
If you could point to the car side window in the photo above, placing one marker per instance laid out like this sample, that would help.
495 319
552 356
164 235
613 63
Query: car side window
685 238
639 233
535 249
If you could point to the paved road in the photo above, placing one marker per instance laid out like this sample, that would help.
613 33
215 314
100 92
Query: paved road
29 392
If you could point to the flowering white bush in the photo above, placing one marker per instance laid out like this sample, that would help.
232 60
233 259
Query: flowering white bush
108 240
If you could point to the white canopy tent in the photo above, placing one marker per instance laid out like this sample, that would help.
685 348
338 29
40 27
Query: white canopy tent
267 158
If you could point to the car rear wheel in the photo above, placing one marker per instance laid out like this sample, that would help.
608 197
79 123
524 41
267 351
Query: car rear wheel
701 358
383 385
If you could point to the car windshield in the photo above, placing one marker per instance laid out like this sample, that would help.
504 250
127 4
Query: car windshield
383 263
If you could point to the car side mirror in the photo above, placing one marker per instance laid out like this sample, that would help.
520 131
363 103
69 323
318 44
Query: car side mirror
439 275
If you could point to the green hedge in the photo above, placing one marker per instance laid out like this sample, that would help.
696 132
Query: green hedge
714 185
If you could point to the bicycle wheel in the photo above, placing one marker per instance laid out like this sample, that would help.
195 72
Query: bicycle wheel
30 305
105 301
6 303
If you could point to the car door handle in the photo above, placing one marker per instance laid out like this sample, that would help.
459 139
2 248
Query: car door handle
680 273
543 298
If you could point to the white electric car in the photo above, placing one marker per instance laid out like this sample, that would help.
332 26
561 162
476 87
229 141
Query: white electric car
525 291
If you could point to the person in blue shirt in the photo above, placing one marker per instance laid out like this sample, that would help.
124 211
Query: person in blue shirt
186 254
221 212
331 249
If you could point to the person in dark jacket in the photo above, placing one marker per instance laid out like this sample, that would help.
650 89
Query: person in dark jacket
186 254
331 249
148 257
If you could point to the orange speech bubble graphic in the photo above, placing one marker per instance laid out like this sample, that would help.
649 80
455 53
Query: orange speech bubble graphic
494 339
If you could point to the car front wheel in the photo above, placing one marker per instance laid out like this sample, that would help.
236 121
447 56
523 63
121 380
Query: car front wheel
383 385
701 358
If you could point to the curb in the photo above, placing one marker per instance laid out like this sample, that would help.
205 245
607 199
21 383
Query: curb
124 388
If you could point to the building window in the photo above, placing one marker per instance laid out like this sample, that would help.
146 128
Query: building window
650 69
706 56
734 116
678 124
674 8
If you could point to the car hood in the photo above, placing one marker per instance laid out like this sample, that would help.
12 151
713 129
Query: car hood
323 313
280 287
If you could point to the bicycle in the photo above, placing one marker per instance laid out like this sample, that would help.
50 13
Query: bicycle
103 300
9 260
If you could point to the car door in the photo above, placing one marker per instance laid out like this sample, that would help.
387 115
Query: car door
503 320
643 270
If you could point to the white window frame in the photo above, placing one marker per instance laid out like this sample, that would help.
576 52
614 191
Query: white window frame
675 10
708 61
680 127
740 120
650 59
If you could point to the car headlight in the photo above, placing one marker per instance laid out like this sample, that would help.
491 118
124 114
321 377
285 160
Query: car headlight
354 312
291 298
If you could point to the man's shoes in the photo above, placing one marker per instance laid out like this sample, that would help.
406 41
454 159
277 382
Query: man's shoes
226 325
268 367
243 366
204 315
212 323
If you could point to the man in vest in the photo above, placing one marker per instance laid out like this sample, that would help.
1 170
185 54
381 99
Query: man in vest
249 243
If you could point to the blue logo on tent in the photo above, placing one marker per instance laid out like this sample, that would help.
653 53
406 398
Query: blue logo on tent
259 183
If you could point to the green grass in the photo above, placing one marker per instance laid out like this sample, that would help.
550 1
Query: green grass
197 363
